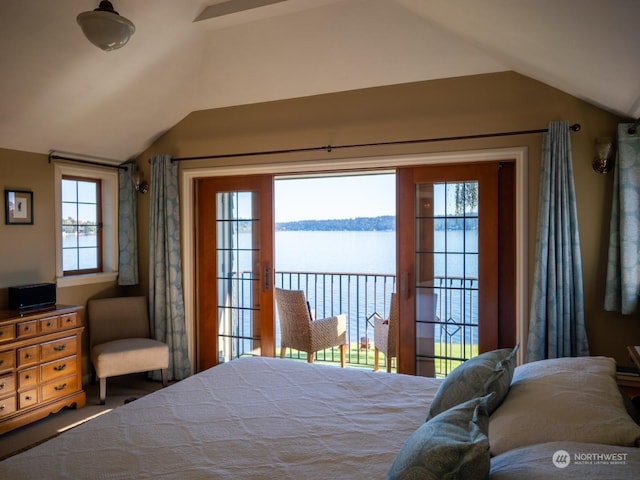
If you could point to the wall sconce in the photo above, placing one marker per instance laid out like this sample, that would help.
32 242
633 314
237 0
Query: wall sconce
603 161
139 182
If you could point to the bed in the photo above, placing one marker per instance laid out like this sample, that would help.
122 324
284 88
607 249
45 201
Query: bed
266 418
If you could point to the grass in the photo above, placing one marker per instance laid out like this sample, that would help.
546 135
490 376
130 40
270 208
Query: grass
445 354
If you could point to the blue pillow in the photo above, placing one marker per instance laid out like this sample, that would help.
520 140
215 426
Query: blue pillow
453 444
483 374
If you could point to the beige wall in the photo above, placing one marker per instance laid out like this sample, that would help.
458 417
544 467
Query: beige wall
27 252
451 107
440 108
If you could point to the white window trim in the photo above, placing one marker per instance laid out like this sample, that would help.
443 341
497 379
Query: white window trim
109 177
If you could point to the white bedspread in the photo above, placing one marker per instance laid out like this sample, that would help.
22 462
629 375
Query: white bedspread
253 418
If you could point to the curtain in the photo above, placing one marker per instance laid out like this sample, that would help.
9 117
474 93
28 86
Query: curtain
623 268
166 301
556 322
127 227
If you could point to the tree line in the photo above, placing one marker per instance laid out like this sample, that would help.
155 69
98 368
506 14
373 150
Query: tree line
382 223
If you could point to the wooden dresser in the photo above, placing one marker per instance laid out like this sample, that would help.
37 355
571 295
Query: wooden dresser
40 364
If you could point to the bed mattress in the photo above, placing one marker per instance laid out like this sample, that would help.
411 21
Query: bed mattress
253 418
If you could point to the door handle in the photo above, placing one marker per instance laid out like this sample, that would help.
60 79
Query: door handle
267 279
404 284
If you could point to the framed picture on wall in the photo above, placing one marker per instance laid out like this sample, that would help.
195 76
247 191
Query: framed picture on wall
18 207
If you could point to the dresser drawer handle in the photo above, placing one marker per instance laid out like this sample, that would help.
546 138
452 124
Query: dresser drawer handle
27 329
27 377
59 348
1 361
49 324
1 386
59 368
1 407
27 356
28 398
60 387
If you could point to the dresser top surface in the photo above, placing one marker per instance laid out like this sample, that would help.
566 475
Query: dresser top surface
6 315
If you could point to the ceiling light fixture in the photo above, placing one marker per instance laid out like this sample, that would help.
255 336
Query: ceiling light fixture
105 28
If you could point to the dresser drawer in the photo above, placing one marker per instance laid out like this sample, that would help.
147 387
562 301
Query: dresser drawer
28 398
28 329
7 384
59 388
7 360
28 378
49 324
8 332
7 405
69 321
59 348
58 368
28 356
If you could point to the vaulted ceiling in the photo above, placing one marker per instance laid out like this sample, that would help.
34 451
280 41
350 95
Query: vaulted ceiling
60 92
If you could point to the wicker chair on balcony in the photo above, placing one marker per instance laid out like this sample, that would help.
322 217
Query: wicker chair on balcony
299 331
385 336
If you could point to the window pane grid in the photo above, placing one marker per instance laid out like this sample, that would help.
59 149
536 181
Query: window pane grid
81 238
447 270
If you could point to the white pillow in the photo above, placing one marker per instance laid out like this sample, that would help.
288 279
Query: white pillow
563 399
584 461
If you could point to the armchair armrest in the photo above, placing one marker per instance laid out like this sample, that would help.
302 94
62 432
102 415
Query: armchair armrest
328 332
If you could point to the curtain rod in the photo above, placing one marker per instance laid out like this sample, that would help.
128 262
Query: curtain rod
53 156
328 148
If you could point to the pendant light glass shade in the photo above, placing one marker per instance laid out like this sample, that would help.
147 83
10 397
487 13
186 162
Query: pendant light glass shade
105 28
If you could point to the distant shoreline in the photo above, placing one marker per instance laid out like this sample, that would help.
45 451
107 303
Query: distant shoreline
385 223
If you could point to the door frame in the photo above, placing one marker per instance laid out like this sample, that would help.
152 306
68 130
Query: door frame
188 176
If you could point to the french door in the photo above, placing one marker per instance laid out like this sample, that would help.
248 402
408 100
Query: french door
234 268
448 228
455 265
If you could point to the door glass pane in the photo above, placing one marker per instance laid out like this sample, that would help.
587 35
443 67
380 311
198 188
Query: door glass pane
446 275
238 279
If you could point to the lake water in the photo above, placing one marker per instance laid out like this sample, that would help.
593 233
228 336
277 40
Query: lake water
375 253
366 252
355 252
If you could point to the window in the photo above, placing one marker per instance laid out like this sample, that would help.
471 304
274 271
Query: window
86 224
81 225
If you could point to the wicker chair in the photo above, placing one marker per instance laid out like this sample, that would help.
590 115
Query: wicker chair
385 336
298 330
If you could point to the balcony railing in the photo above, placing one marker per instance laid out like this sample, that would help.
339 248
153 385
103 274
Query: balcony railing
451 328
357 295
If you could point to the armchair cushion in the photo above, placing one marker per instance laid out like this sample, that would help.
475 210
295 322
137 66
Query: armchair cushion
129 355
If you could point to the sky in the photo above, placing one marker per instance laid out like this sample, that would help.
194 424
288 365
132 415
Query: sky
335 197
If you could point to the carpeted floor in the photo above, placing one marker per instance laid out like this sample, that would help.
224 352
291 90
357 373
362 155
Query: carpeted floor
120 390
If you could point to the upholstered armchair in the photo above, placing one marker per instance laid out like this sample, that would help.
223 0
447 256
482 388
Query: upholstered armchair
119 340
